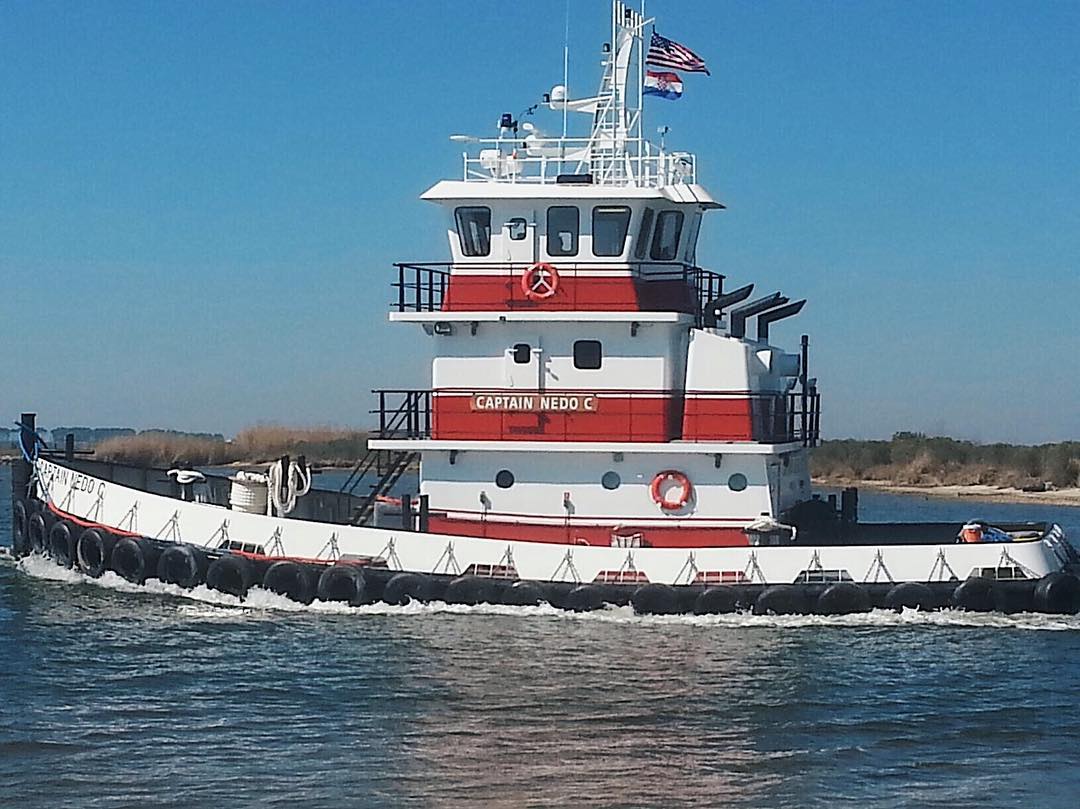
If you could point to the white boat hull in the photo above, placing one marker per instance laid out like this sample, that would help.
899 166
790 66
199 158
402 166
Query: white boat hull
128 509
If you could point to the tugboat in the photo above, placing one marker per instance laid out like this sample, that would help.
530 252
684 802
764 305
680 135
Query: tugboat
607 423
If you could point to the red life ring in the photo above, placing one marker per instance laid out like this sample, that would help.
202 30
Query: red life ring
540 281
664 498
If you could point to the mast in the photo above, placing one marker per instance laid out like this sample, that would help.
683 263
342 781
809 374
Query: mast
615 140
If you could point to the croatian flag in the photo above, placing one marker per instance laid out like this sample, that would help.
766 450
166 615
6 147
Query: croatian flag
665 85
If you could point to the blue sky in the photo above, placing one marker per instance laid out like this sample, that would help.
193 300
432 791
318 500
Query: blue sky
200 202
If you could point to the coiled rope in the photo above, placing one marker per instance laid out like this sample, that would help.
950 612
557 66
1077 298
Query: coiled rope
284 497
36 442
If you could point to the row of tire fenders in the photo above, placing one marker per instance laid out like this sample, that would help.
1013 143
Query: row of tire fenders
94 549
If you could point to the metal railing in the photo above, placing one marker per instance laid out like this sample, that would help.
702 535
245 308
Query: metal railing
607 159
404 413
665 286
773 418
782 419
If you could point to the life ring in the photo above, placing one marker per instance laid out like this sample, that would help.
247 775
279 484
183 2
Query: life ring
540 281
664 499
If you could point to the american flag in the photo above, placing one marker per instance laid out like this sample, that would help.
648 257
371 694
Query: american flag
664 52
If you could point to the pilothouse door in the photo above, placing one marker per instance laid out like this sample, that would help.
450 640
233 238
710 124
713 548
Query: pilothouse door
519 242
524 364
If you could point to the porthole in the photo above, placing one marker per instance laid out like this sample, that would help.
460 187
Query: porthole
522 353
737 482
504 479
611 480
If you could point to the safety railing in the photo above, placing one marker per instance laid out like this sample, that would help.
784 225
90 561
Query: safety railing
597 160
404 413
579 415
786 419
654 286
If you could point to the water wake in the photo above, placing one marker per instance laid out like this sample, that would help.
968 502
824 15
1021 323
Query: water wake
203 603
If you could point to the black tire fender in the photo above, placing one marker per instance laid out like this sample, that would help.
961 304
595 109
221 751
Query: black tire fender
655 599
718 600
975 594
20 541
843 598
291 580
37 533
584 598
781 599
1058 593
911 595
404 588
93 550
134 559
62 543
343 583
230 574
524 593
182 565
471 590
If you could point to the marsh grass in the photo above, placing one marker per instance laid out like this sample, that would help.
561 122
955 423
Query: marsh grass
260 444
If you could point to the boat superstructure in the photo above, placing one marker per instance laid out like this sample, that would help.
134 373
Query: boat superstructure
584 362
606 421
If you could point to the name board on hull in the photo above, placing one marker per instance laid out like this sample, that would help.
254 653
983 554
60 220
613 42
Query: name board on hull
535 402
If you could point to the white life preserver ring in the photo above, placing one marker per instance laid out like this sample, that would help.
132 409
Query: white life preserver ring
671 498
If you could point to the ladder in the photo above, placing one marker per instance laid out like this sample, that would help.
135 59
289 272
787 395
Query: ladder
380 470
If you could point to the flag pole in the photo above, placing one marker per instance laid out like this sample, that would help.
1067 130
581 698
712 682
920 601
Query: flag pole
641 95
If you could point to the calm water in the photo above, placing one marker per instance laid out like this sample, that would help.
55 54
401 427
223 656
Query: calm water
115 696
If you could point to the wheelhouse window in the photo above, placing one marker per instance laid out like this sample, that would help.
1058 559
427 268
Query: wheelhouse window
665 242
516 227
474 230
588 355
643 235
690 254
609 226
522 353
563 226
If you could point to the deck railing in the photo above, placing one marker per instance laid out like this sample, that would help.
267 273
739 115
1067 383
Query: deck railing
773 418
422 287
597 160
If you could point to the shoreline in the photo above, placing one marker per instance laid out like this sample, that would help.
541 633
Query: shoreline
975 492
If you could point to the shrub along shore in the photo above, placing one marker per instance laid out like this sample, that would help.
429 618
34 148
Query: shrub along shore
919 464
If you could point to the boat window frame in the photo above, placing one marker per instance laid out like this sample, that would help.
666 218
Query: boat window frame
641 246
585 362
553 244
514 222
519 350
469 248
692 233
622 211
659 231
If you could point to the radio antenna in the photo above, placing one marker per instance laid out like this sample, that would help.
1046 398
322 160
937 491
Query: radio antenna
566 65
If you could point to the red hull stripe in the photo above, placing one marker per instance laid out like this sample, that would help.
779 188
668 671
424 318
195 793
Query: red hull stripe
717 419
598 535
481 293
256 556
617 418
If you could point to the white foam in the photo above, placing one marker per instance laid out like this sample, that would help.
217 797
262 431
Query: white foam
202 603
